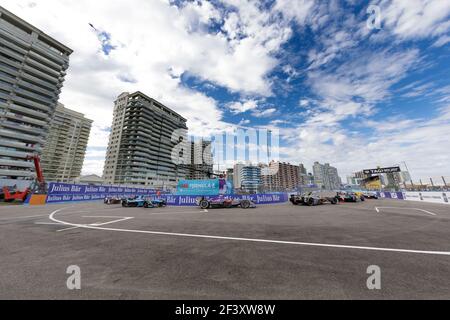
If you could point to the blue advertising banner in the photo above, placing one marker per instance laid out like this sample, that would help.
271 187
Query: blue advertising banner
62 192
194 187
270 198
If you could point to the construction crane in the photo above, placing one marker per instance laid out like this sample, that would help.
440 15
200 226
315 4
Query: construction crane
38 187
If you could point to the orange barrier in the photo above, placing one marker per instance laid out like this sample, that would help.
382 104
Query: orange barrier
38 199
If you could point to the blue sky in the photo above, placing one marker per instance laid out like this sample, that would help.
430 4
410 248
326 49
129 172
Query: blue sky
337 90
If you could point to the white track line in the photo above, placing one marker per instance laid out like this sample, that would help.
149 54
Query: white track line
49 223
97 224
445 253
109 222
428 212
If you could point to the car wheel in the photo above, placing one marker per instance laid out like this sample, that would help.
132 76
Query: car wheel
311 202
145 204
204 204
245 204
334 201
124 204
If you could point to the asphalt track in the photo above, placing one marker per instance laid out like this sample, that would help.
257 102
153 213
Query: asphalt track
271 252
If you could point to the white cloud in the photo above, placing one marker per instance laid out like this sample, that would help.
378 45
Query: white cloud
304 103
298 10
241 107
352 90
412 19
243 122
154 44
264 113
442 41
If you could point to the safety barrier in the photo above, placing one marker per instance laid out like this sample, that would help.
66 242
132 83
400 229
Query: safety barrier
63 192
269 198
432 197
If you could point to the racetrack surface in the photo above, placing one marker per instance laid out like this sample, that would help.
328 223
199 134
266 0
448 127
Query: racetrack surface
271 252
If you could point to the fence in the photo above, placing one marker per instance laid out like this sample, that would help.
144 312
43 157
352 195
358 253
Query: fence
433 197
63 192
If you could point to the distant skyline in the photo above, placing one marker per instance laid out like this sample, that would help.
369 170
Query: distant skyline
338 91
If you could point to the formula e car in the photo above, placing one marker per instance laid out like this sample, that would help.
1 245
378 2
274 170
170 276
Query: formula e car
143 202
349 197
314 198
158 202
222 202
370 195
112 200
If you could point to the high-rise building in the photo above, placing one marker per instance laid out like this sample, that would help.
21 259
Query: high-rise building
326 176
230 175
201 165
32 70
250 179
112 152
281 176
141 143
65 147
303 178
237 175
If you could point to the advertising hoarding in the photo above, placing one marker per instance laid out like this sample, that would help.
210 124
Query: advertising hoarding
382 170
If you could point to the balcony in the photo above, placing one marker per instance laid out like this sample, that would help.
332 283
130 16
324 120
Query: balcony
13 135
17 173
16 163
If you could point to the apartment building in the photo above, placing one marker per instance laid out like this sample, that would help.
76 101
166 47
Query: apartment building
326 176
201 160
281 176
140 145
65 148
250 177
32 70
237 178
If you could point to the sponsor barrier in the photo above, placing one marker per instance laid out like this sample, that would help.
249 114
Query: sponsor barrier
269 198
434 197
209 187
63 192
391 195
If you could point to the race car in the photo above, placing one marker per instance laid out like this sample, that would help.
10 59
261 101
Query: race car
349 197
360 195
370 195
112 200
158 202
143 202
314 198
222 202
